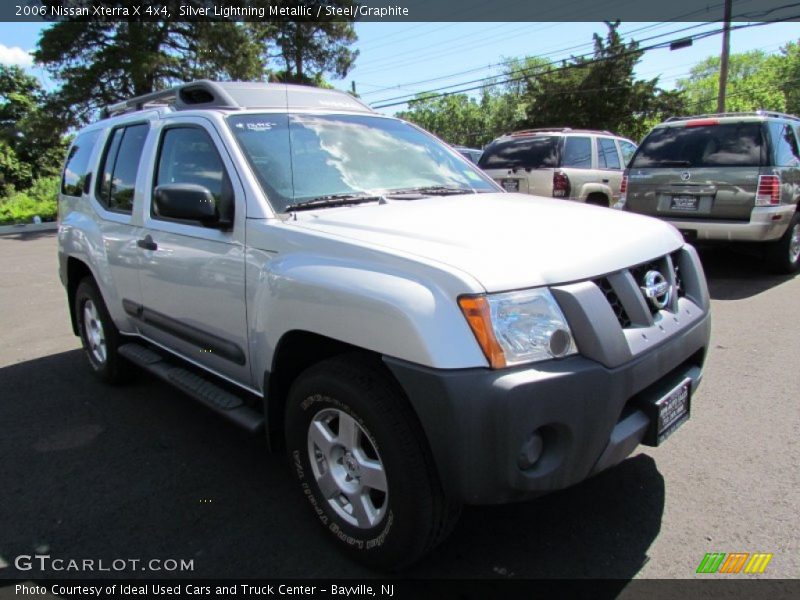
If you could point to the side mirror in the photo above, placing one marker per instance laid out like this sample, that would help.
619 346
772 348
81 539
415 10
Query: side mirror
186 201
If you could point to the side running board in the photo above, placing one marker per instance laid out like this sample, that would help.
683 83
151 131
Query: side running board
221 401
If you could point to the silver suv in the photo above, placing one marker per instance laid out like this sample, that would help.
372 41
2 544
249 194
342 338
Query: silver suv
573 164
412 336
732 177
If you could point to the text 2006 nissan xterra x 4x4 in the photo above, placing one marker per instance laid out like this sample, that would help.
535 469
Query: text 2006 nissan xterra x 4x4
413 336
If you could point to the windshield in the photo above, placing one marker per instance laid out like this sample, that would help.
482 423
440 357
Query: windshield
301 157
731 144
536 152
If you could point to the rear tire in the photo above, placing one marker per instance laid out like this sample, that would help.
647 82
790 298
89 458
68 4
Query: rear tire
99 336
597 200
784 254
363 463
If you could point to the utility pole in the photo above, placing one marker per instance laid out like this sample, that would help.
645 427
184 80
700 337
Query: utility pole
723 62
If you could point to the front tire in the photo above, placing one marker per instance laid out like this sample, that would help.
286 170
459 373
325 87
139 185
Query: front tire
99 336
784 254
363 463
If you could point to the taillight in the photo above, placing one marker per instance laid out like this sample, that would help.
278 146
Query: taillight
623 187
769 190
560 185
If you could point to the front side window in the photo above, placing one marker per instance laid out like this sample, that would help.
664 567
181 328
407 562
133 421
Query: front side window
607 157
304 157
119 167
577 153
188 155
73 179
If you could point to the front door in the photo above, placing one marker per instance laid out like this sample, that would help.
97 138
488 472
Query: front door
193 275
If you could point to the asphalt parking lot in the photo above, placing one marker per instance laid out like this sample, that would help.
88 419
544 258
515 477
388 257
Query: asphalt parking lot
91 471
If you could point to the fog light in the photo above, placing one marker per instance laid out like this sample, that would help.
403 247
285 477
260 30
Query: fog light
531 451
560 342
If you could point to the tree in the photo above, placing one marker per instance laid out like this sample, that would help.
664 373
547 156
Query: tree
31 145
755 80
99 62
308 50
600 92
457 118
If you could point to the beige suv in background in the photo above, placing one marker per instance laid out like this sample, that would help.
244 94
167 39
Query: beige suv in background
574 164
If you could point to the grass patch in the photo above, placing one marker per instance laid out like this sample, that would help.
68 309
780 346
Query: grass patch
40 199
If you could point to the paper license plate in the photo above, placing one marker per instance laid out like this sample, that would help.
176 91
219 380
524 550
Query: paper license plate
510 185
673 410
683 203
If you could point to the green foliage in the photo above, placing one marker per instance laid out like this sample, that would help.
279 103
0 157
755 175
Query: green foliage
600 92
31 143
755 80
40 199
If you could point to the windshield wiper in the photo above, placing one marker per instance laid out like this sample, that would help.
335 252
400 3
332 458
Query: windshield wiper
333 200
433 190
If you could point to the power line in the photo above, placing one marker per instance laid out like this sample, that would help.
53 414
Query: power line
487 82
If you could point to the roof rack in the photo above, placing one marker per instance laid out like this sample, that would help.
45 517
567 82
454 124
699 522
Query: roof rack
235 95
559 129
755 113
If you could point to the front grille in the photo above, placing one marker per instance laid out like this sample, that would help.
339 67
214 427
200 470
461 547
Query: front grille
633 313
614 301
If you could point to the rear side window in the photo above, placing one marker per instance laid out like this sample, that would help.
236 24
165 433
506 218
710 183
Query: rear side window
537 152
73 179
628 150
724 145
785 144
607 157
120 166
577 153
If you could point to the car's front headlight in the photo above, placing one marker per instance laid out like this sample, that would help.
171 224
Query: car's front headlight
518 327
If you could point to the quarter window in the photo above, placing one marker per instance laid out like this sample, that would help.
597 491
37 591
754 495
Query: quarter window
628 150
577 153
607 157
73 179
120 166
786 152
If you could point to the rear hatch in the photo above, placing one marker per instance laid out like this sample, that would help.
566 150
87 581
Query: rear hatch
701 169
523 163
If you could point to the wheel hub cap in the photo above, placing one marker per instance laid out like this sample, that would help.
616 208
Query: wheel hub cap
347 468
93 332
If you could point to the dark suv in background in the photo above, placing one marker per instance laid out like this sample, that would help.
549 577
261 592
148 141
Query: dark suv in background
732 177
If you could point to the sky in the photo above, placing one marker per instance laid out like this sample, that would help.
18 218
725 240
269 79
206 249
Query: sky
396 59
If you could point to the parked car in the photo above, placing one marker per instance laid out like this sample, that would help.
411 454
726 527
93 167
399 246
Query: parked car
731 177
412 336
471 153
573 164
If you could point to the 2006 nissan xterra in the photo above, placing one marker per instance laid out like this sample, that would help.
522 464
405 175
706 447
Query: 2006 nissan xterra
413 336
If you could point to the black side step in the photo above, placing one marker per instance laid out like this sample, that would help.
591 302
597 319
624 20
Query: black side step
221 401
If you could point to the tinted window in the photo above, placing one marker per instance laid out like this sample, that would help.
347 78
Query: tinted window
607 157
74 177
537 152
577 153
628 150
786 153
120 166
188 155
733 144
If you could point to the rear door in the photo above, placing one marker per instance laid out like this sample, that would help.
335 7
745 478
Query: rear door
702 169
609 165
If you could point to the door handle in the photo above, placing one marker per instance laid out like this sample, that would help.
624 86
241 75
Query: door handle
605 180
147 243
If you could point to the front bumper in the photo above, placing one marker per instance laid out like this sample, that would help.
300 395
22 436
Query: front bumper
476 420
767 223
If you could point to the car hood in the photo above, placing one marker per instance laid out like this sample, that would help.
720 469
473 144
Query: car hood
504 241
